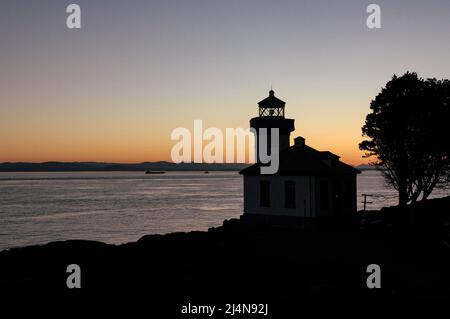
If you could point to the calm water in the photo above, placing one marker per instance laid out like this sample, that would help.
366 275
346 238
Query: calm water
118 207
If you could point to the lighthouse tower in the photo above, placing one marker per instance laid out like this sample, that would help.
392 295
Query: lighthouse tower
271 115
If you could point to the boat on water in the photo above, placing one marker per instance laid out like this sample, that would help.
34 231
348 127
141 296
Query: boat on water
154 172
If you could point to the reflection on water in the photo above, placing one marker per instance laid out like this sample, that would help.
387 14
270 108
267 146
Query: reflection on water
113 207
118 207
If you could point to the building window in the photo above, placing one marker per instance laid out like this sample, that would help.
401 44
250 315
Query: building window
324 195
264 193
289 192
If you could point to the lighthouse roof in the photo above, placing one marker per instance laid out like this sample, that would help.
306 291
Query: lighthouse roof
302 160
271 101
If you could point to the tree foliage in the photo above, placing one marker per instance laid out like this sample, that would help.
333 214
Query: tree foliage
408 134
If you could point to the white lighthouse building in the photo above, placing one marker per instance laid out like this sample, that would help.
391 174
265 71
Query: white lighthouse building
308 183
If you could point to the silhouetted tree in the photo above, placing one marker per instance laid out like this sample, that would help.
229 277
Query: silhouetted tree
408 133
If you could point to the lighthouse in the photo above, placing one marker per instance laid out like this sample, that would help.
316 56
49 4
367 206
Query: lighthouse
308 183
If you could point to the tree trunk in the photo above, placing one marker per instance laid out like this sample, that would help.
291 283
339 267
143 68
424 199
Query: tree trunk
402 192
427 192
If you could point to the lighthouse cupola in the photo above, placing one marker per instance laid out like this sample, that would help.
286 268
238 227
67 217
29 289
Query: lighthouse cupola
271 106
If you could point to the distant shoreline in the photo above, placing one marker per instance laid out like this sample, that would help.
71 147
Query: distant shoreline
133 167
115 167
115 170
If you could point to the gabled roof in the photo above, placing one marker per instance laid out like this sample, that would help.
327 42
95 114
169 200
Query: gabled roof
271 101
306 161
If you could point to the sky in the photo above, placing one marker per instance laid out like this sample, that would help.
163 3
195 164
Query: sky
114 90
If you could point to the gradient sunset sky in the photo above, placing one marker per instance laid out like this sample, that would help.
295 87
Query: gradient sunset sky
114 90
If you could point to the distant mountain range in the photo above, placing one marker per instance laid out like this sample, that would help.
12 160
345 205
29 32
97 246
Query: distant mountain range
95 166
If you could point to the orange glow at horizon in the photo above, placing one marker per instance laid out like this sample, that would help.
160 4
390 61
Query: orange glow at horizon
131 149
139 133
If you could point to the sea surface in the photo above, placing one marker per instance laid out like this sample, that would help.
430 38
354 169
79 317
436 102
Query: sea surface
118 207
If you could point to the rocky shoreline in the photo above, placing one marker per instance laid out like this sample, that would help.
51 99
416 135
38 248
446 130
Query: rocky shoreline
253 259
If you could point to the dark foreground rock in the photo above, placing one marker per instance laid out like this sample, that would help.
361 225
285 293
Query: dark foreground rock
252 260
